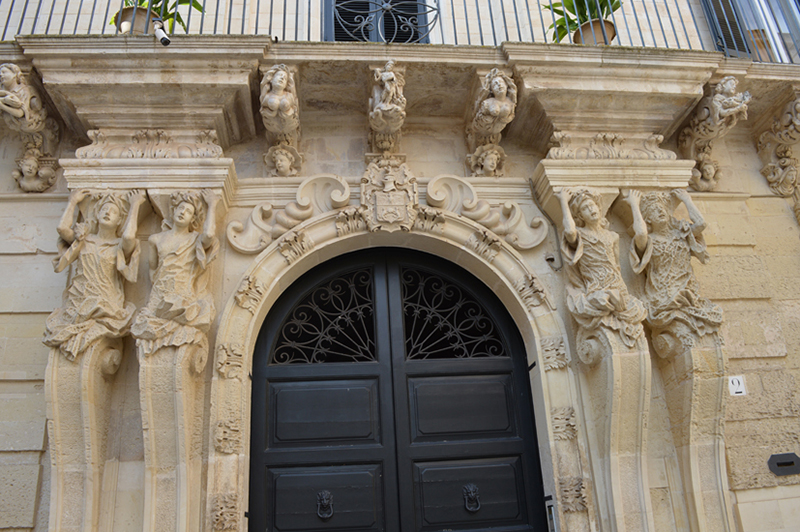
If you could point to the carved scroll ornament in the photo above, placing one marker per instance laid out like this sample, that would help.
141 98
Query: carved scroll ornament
315 195
775 148
493 109
663 250
387 108
715 116
508 221
23 111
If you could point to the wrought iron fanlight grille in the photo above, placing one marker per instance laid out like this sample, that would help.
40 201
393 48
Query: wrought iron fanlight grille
334 323
390 21
443 321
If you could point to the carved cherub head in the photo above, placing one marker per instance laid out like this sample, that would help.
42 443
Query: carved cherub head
488 160
727 86
586 208
283 160
31 175
187 209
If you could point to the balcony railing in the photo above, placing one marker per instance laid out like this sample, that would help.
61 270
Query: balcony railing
763 30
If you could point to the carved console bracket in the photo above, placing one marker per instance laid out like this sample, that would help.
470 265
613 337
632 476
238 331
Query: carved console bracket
714 117
777 155
495 103
456 195
280 112
23 111
387 107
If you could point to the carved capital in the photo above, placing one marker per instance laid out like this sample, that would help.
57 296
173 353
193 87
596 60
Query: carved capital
493 109
714 117
387 107
151 144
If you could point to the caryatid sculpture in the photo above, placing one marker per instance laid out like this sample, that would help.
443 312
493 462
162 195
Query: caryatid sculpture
23 111
597 297
493 111
171 334
662 248
714 117
85 336
280 112
387 108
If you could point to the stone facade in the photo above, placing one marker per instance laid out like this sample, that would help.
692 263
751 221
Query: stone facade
182 218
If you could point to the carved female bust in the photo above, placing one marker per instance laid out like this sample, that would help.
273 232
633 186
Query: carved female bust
279 106
494 108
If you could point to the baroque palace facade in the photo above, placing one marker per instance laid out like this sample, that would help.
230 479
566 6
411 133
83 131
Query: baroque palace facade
261 285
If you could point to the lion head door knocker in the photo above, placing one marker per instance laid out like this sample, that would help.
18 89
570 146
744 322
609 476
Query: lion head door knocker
472 501
324 505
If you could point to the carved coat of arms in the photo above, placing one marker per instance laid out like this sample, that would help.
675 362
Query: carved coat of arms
389 196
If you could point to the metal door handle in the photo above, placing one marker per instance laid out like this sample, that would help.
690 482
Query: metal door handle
324 505
472 501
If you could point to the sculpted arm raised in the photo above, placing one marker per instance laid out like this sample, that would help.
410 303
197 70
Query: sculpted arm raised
128 243
209 235
570 231
66 228
698 222
633 198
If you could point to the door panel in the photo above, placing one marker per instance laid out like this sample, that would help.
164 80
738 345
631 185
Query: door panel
393 385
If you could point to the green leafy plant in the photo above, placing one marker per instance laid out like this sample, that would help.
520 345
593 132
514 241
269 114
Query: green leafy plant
574 13
170 13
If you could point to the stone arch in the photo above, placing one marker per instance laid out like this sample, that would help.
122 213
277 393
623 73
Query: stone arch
328 235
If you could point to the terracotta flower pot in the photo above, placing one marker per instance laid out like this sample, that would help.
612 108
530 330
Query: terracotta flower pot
125 21
583 35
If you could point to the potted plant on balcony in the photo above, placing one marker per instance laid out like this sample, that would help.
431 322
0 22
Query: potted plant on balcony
584 18
133 17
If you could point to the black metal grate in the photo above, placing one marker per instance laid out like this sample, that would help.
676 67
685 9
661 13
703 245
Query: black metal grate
334 323
393 21
443 321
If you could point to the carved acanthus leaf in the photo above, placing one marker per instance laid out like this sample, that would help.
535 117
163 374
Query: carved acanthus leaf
230 359
564 423
573 494
608 146
533 292
429 220
249 294
228 436
226 512
151 144
349 220
554 353
294 245
315 195
458 196
485 244
714 116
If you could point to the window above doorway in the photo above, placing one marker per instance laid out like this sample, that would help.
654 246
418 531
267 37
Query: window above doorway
390 21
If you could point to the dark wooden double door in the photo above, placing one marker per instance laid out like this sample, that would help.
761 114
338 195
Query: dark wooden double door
390 394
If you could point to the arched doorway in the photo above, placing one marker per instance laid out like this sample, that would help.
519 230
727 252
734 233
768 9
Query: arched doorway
390 392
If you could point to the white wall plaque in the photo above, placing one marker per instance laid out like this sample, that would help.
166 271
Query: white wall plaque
736 385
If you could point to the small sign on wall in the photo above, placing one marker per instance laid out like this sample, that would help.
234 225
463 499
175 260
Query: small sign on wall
736 385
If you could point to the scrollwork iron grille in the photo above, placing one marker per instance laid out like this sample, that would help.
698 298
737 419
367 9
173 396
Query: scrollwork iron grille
443 321
391 21
334 323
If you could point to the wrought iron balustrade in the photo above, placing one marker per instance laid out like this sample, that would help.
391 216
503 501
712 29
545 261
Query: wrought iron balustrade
763 30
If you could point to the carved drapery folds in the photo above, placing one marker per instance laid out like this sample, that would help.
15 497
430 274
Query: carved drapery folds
508 221
98 240
280 112
151 144
23 111
663 250
777 155
387 108
715 115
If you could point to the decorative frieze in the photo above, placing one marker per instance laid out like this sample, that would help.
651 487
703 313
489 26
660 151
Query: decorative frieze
225 515
533 292
23 112
573 494
564 423
228 436
484 244
387 108
230 361
294 245
554 353
151 144
608 146
714 116
250 293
